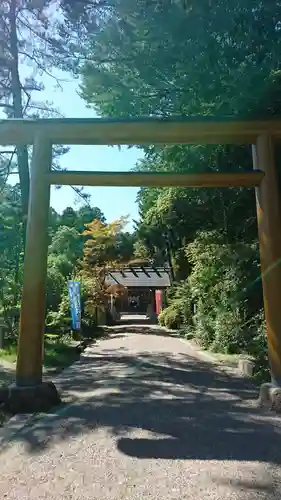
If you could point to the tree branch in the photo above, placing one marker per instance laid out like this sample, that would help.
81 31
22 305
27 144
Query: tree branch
42 68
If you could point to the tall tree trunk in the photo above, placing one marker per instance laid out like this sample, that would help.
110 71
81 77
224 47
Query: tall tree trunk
22 153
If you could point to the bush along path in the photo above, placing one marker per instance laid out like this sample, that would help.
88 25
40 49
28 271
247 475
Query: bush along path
219 304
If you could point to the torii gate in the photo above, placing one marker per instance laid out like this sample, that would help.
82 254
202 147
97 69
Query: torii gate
43 133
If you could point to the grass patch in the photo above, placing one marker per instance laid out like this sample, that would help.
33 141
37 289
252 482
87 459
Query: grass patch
58 352
9 354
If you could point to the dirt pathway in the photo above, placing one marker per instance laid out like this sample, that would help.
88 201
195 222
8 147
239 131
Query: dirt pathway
150 421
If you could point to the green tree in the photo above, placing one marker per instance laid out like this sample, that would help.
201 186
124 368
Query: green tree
33 40
78 218
66 241
87 213
68 217
183 59
103 243
195 68
174 58
104 248
11 249
65 254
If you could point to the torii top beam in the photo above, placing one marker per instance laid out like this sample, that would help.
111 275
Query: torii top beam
137 131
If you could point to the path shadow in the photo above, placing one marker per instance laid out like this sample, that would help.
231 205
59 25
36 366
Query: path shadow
123 322
164 406
140 329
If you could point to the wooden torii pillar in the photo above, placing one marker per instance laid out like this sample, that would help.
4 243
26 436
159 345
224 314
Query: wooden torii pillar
269 228
30 393
32 320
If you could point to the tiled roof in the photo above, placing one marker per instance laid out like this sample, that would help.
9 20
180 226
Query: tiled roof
143 277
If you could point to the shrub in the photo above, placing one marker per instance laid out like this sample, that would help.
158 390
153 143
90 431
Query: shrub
88 327
161 317
187 332
230 332
170 318
180 298
258 347
57 322
54 289
203 326
225 286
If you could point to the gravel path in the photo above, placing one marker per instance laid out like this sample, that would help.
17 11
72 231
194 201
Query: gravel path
149 421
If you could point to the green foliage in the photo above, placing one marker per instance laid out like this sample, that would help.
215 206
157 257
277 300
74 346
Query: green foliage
11 255
84 257
179 300
258 347
76 219
105 246
54 288
170 318
59 352
61 264
149 74
231 333
201 59
216 303
106 243
179 311
226 289
65 253
140 251
65 256
67 241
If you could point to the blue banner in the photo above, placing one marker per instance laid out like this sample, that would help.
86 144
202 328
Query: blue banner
75 303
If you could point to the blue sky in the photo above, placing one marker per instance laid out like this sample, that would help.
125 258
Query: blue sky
114 202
